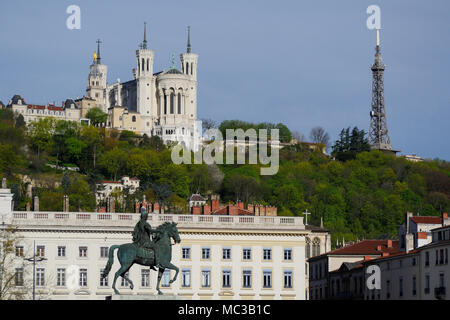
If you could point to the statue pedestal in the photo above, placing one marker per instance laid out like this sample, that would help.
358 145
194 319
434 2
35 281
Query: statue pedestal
144 297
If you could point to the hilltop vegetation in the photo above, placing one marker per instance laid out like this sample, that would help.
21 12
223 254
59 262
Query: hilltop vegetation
363 196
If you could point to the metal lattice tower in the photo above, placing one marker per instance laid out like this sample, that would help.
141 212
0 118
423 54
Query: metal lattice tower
378 133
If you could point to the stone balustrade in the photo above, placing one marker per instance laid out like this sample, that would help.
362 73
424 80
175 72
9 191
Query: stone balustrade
127 220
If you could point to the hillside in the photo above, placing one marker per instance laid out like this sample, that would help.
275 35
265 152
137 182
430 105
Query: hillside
364 197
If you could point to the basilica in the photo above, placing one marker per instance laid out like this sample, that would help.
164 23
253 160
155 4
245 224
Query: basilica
160 103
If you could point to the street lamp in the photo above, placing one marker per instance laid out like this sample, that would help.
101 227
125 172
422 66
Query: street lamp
34 260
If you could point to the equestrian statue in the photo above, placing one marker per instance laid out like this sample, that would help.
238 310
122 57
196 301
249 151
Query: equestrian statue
150 247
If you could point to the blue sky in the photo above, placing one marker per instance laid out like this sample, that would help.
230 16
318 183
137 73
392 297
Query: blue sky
303 63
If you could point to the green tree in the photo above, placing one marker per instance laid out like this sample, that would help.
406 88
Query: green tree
113 161
96 116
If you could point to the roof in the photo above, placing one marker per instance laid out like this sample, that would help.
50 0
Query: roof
240 211
68 103
347 266
427 219
15 99
365 247
106 181
173 71
197 197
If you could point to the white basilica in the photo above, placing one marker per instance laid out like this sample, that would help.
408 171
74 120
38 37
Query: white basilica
162 103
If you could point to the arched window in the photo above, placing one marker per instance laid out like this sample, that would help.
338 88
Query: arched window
187 68
308 248
192 68
165 104
172 103
316 247
148 64
179 103
143 64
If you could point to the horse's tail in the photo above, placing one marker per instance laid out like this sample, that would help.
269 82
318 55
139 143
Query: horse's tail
110 261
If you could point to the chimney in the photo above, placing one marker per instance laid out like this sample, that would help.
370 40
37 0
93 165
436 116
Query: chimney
409 245
65 203
28 206
36 203
445 219
156 208
240 204
408 216
379 247
196 210
206 209
251 208
215 202
389 243
232 210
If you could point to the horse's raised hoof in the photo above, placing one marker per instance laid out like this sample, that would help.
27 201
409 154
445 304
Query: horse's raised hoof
131 286
160 292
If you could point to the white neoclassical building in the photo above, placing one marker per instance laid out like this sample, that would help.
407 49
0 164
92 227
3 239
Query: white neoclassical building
220 257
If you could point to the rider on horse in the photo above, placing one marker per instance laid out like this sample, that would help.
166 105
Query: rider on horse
142 235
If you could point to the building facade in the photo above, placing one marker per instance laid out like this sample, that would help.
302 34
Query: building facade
220 257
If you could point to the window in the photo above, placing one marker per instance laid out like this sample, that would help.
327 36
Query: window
441 259
247 278
103 281
19 251
414 261
104 252
172 102
446 255
165 280
145 278
40 277
414 286
83 252
288 279
267 279
61 251
60 277
124 282
206 278
186 278
83 278
427 284
18 277
206 253
308 249
427 259
441 279
267 254
247 254
400 287
179 103
186 253
388 289
226 253
40 251
226 278
287 254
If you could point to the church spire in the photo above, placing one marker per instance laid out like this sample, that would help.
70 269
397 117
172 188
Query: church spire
144 44
98 58
189 40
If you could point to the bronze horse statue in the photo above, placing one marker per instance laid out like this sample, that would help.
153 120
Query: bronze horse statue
159 254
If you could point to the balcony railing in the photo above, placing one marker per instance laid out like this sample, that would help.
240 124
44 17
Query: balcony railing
92 219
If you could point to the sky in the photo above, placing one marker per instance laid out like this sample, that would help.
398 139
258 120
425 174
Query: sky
302 63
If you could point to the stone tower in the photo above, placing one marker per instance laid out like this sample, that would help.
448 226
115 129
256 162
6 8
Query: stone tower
145 84
96 88
189 63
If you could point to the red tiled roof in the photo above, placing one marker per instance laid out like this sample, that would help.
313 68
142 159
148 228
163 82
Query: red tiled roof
427 220
240 211
365 247
197 197
422 235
